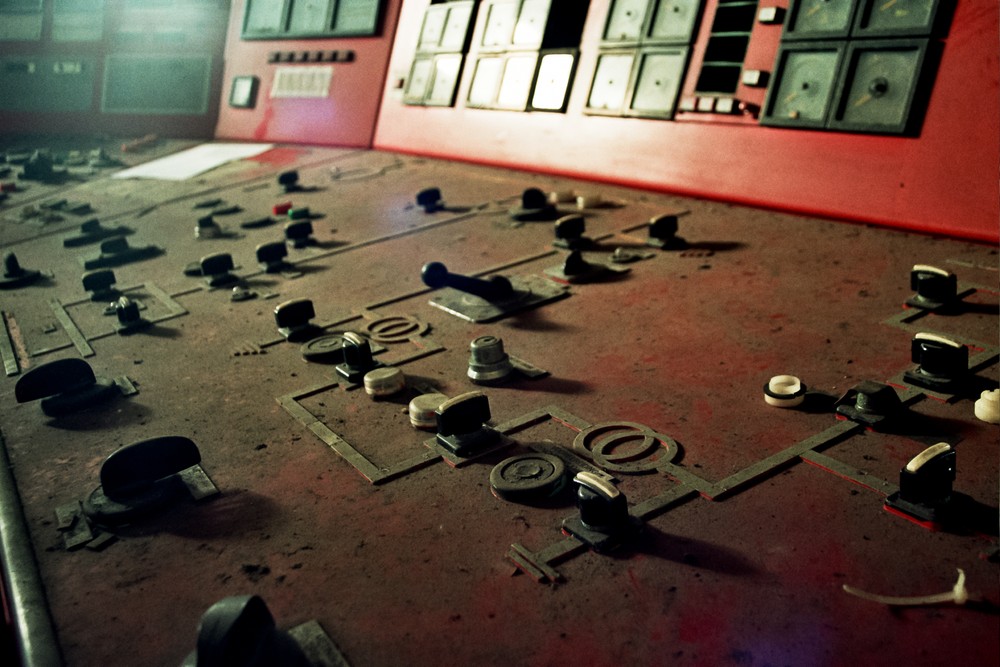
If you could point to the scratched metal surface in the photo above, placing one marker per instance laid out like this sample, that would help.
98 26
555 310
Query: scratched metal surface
415 570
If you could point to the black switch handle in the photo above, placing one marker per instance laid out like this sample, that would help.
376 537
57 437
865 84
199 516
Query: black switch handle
495 288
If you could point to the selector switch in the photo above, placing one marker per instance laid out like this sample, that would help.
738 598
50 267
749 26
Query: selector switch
271 257
289 181
239 631
569 231
299 233
140 478
462 427
604 521
293 320
217 269
535 207
925 484
100 284
358 359
942 364
663 233
935 288
64 386
130 319
429 199
870 403
116 251
92 231
207 228
15 275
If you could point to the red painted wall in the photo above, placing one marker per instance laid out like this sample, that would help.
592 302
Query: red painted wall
346 118
944 181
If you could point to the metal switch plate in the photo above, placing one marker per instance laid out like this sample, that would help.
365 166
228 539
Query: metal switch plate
801 91
530 292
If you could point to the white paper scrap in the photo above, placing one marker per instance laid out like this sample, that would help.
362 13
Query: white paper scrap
186 164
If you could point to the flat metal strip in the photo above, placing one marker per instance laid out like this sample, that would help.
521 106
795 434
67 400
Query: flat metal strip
849 472
406 467
657 505
539 571
175 308
295 409
10 363
346 451
560 550
73 331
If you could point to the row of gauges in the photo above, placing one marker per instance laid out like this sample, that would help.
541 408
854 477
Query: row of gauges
522 64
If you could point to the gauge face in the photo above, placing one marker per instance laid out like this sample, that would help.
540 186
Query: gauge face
456 27
416 84
310 16
516 83
607 93
485 81
445 80
803 87
819 18
896 17
658 82
674 20
433 27
625 20
555 71
530 26
500 19
878 87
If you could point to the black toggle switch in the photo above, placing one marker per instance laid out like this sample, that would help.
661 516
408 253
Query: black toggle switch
299 233
207 228
129 318
870 403
935 288
604 521
140 478
116 251
942 364
535 207
100 284
217 269
358 358
663 233
293 320
92 231
240 631
925 484
429 199
271 257
461 424
569 231
15 275
494 288
64 386
289 181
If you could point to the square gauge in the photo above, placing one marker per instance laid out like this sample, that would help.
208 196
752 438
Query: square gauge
444 81
485 82
626 20
552 83
530 27
432 28
659 78
877 18
819 19
674 21
417 83
456 28
611 81
879 83
801 90
309 16
501 16
515 86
